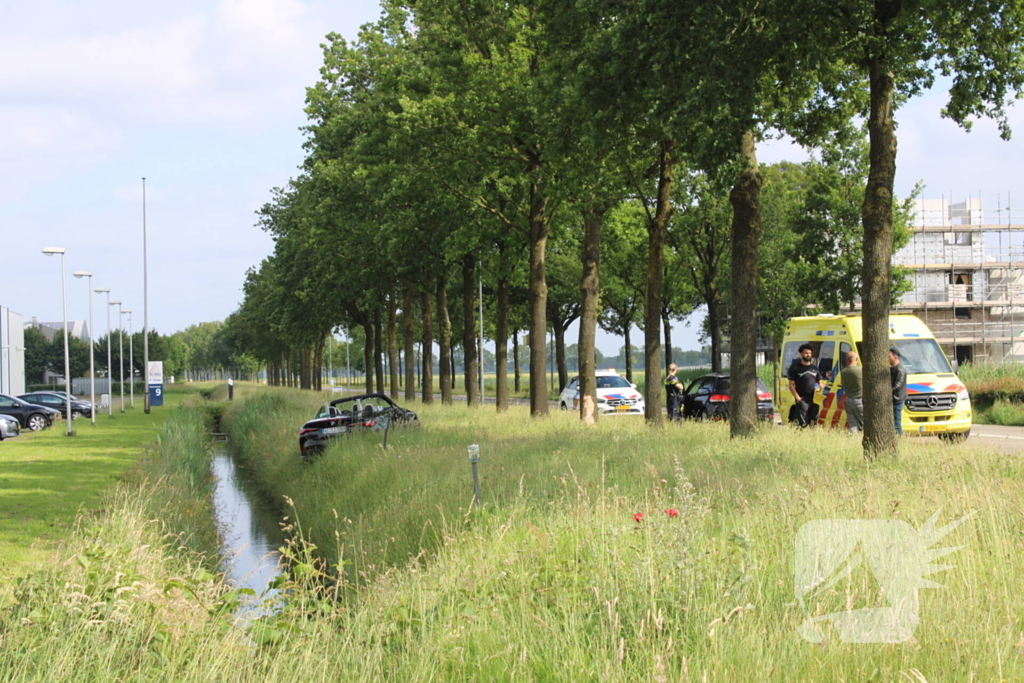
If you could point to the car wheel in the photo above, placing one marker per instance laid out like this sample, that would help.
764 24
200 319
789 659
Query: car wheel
955 438
36 422
718 414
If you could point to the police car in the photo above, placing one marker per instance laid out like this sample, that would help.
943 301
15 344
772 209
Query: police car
615 395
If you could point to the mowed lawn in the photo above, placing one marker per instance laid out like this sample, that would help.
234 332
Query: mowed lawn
47 478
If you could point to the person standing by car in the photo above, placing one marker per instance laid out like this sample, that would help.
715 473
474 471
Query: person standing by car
673 392
804 380
898 377
852 378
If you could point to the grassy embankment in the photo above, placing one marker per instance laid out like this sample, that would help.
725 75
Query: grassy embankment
48 478
553 579
997 392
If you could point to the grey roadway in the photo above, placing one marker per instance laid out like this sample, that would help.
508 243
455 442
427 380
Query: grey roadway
1006 439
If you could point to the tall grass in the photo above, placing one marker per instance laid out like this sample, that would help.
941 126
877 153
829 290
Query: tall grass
995 378
553 578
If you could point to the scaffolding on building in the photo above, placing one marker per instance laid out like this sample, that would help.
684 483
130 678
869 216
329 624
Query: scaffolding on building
968 278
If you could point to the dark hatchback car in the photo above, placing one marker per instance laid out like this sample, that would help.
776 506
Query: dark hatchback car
55 400
29 416
350 415
708 398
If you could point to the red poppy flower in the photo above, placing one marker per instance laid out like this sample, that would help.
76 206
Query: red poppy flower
672 513
638 516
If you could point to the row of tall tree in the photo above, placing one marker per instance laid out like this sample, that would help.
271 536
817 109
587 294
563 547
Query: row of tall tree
596 160
203 351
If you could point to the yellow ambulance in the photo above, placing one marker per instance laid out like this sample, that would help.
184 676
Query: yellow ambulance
937 401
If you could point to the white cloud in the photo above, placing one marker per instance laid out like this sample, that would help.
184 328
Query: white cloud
226 65
41 143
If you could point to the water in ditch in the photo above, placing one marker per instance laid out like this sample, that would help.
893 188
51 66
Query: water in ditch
250 535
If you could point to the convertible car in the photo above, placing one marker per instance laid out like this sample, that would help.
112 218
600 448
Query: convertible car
366 412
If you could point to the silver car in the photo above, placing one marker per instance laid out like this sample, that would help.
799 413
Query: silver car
9 427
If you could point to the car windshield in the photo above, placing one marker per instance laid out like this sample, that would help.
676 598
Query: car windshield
360 405
612 382
920 356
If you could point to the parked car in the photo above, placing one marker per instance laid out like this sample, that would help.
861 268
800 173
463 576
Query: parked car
708 398
615 395
352 414
29 416
9 427
55 400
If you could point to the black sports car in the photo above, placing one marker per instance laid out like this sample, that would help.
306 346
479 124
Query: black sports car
708 397
366 412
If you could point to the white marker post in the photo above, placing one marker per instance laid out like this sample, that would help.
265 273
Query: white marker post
474 458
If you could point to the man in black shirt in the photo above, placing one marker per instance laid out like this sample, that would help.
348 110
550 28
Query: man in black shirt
804 380
898 377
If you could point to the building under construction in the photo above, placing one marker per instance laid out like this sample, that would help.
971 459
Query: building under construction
968 278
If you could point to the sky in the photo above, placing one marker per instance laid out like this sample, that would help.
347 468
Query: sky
204 99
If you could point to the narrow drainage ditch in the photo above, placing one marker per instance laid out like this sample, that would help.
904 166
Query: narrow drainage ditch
250 534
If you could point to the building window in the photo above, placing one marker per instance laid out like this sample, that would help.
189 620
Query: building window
958 239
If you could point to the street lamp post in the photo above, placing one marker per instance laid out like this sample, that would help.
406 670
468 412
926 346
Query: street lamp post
120 349
131 359
50 251
110 374
92 347
145 302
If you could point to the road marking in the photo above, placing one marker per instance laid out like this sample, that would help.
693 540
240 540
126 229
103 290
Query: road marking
1000 436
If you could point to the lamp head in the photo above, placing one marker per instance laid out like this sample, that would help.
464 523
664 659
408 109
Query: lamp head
115 303
50 251
127 311
82 273
102 290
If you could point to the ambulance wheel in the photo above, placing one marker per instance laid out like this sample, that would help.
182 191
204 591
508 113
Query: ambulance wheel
955 437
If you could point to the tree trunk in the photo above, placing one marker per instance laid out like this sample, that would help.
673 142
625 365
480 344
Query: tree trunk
469 330
746 232
501 348
667 328
428 346
516 371
393 363
879 431
410 345
368 353
627 351
563 374
657 234
304 368
319 363
378 351
590 290
445 352
715 330
538 302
